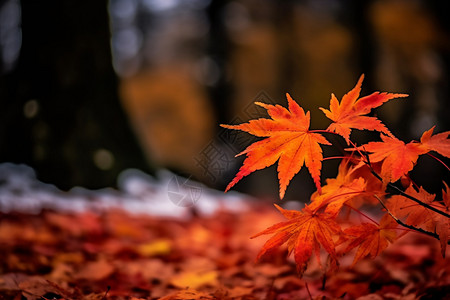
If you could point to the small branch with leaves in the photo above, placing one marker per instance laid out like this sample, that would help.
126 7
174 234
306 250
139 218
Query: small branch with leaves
369 180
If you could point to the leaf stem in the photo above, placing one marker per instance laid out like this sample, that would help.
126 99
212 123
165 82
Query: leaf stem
340 157
362 214
309 292
431 155
322 131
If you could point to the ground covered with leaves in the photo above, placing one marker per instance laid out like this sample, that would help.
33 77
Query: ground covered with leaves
116 255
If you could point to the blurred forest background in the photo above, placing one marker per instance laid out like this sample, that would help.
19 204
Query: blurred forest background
90 88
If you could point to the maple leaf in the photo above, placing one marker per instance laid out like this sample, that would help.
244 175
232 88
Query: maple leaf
438 142
443 223
350 112
289 141
339 190
397 157
372 239
373 187
419 216
304 233
415 214
195 279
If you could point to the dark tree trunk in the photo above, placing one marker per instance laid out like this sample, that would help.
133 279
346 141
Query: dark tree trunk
64 75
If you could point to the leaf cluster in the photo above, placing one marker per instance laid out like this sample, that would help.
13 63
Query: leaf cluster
367 175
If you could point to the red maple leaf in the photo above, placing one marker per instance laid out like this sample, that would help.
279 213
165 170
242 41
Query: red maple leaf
350 112
442 222
289 141
370 239
304 233
419 216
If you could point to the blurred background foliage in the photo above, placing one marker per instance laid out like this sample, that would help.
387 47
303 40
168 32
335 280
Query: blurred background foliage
90 88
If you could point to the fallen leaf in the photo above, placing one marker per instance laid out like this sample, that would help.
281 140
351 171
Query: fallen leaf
190 294
238 291
194 280
154 248
95 270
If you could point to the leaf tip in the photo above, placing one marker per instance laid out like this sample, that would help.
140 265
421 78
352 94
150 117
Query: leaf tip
361 79
232 183
278 207
401 95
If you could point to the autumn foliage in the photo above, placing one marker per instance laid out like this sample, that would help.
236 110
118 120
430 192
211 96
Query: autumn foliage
367 175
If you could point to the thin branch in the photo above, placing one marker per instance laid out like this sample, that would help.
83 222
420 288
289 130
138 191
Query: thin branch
400 222
323 131
335 157
361 153
309 292
362 214
431 155
106 293
391 186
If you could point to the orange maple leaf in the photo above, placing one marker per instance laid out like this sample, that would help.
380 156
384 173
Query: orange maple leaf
304 233
289 141
438 142
443 223
419 216
397 157
372 239
415 214
350 112
337 191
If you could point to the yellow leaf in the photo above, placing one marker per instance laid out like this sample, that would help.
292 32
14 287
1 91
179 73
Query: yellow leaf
195 280
158 247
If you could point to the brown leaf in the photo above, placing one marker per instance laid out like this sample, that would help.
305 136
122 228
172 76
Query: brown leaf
188 294
95 270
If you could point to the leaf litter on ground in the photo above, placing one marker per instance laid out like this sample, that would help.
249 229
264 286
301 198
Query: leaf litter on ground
118 255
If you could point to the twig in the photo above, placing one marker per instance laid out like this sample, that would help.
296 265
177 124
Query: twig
400 222
307 289
106 293
361 213
431 155
402 193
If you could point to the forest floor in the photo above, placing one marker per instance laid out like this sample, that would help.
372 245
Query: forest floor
117 255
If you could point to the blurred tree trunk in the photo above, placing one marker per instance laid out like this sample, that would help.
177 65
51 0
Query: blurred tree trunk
60 111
